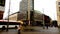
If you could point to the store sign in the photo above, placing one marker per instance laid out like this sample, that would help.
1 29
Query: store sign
2 2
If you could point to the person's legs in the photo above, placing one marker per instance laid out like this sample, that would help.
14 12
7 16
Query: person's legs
47 26
19 31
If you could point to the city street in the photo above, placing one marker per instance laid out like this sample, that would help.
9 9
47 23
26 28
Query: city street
30 16
39 30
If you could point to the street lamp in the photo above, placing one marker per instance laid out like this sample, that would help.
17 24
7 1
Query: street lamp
8 15
43 20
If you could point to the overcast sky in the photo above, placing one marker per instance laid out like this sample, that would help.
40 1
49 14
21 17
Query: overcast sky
48 6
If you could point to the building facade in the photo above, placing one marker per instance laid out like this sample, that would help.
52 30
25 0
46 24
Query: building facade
1 14
2 5
17 16
13 16
58 11
2 8
22 13
24 6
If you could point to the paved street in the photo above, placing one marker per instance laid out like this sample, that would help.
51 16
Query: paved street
39 30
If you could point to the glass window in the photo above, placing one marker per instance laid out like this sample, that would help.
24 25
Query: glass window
2 2
59 8
58 3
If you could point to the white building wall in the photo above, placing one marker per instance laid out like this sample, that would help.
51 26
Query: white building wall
2 8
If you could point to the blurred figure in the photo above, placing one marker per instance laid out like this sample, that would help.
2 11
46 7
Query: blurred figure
47 25
19 29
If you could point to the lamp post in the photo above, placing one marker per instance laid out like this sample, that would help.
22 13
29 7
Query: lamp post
8 15
43 20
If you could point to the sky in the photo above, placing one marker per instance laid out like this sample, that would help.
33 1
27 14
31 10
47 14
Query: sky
47 7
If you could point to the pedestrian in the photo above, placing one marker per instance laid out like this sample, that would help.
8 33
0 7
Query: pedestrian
47 25
19 30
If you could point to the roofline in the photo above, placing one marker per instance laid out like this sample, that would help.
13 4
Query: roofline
14 13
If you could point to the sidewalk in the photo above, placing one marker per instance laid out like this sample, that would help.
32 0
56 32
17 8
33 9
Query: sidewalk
51 30
11 31
40 29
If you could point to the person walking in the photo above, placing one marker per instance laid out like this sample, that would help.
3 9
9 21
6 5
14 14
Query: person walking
19 29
